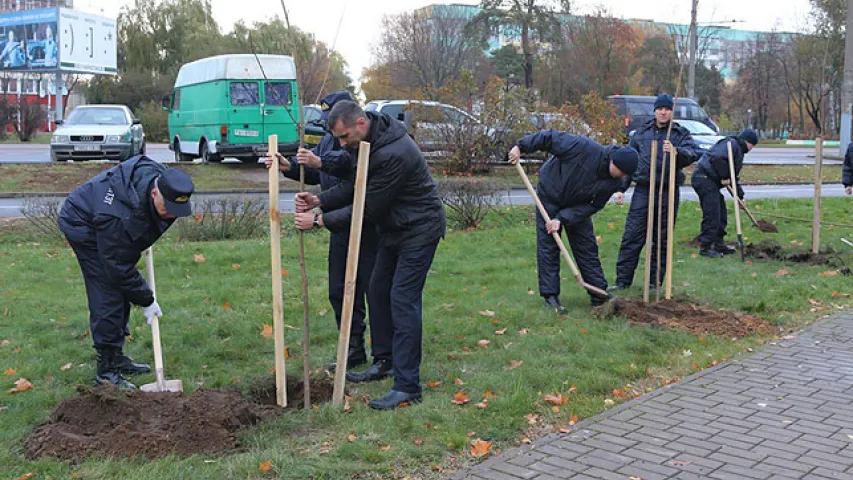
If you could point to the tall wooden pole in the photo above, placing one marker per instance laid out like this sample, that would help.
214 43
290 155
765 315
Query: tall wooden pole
306 307
275 260
733 183
650 222
352 271
670 222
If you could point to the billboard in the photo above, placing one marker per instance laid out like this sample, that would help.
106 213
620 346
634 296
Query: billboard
51 39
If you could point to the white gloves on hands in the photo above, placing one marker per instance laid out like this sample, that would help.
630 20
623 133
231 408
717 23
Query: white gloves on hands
151 311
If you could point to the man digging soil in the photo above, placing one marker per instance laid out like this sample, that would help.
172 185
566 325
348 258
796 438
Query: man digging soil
109 221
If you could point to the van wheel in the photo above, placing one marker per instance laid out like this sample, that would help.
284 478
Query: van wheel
180 157
207 157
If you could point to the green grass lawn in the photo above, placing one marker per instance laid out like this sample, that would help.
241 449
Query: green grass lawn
38 139
214 313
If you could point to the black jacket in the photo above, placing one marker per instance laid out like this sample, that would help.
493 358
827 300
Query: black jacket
847 171
114 213
715 162
402 199
337 164
641 141
575 182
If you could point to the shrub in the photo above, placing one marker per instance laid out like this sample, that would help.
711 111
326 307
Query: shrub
468 200
224 218
42 213
33 116
155 122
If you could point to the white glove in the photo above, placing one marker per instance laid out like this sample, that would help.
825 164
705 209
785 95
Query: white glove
151 311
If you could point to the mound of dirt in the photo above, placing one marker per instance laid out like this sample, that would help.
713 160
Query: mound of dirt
696 319
106 421
772 250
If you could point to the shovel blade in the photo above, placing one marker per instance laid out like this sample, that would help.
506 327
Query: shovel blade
168 386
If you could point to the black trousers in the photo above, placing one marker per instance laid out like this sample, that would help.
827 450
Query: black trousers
714 212
396 310
109 309
338 247
634 237
584 248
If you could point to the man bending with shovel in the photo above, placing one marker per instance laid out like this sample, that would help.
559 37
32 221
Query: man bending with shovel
575 183
109 221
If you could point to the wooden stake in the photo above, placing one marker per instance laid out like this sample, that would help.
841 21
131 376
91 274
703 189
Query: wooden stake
556 235
733 183
306 308
818 165
659 230
352 271
670 222
275 258
650 222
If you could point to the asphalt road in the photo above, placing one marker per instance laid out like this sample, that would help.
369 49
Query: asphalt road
160 152
11 207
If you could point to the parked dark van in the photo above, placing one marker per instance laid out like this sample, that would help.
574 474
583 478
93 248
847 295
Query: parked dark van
637 110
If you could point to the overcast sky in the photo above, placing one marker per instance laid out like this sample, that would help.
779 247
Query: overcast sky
362 18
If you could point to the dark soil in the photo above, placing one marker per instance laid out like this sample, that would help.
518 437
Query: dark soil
105 421
772 250
696 319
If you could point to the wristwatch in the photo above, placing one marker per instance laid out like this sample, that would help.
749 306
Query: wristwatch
316 220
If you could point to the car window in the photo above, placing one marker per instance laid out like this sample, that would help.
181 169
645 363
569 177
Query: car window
98 116
176 100
696 128
312 114
393 110
371 107
641 108
431 114
244 93
277 93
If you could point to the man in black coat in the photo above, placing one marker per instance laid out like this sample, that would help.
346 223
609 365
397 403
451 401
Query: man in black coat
326 164
576 182
847 171
711 174
109 221
634 237
402 202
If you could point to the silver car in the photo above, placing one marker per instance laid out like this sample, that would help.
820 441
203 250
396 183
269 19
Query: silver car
98 132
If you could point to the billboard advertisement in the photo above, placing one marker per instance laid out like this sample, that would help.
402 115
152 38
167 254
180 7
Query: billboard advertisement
51 39
28 40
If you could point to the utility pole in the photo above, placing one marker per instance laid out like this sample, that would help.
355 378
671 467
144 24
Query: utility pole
691 72
847 85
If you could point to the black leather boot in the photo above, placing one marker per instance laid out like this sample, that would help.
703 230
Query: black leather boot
709 251
356 355
379 370
393 400
553 301
127 366
108 370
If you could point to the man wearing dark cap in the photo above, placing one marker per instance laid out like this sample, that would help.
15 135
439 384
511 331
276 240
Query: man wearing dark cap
847 170
574 183
711 174
109 221
634 237
326 164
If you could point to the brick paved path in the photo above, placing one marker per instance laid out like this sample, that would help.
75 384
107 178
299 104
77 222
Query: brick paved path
783 412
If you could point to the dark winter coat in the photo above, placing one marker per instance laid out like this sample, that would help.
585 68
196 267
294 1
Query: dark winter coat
715 162
641 141
337 164
847 172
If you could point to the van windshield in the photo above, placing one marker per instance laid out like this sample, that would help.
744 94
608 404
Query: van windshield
277 93
244 93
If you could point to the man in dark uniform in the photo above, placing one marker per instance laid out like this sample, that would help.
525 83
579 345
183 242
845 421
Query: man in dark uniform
326 164
711 174
847 170
402 202
109 221
575 183
634 237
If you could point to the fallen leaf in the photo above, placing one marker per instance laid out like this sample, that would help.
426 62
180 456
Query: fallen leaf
608 402
678 463
226 306
500 332
781 273
26 476
598 239
483 343
235 266
635 478
532 418
483 404
9 372
283 272
828 273
495 321
6 312
433 384
693 255
487 313
573 420
347 407
515 364
565 430
531 292
573 388
754 275
21 385
611 225
265 467
65 367
489 394
419 441
524 331
480 448
585 330
619 393
267 331
556 399
526 440
352 437
323 452
461 398
384 448
4 343
435 468
199 258
555 409
458 381
701 339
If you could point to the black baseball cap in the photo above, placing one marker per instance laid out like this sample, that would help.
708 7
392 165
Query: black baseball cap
330 100
176 187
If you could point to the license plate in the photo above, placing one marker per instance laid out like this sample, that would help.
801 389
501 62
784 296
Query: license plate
246 133
87 148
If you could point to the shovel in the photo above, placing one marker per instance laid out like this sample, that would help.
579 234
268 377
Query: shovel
762 225
161 385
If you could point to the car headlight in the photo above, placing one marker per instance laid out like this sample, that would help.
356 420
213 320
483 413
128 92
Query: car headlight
59 139
113 138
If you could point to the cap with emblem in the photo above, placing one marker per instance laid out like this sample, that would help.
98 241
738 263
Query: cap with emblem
176 187
330 100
